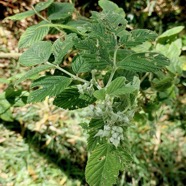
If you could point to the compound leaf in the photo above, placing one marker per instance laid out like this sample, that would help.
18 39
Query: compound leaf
38 53
144 62
33 34
48 86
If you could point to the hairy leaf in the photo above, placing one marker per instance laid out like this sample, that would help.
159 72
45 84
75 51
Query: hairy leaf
144 62
33 72
60 11
79 65
43 5
33 34
136 37
171 32
22 15
71 99
93 140
39 7
100 94
118 87
103 165
110 6
48 86
61 48
38 53
5 112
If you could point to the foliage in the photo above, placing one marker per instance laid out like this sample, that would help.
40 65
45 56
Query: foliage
112 72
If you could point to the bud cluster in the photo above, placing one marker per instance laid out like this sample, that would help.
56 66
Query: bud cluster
86 88
113 120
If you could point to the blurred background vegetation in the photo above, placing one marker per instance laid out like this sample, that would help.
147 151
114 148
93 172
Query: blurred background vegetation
44 145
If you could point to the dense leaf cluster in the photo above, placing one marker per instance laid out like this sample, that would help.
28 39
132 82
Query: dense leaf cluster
108 65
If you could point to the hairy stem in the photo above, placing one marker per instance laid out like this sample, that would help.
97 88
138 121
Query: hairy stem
114 67
43 18
68 73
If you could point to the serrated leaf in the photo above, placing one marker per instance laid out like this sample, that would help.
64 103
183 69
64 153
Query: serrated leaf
59 11
144 62
100 94
22 15
79 65
5 112
171 32
39 7
103 166
87 44
33 34
136 37
43 5
93 140
61 48
38 53
71 99
162 84
118 87
33 72
110 6
116 84
48 86
95 62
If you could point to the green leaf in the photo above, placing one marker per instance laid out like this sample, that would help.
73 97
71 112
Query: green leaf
38 53
39 7
59 11
33 34
118 87
162 84
110 6
79 65
33 72
171 32
100 94
144 62
94 126
95 62
5 112
103 166
43 5
48 86
116 84
136 37
61 48
22 15
71 99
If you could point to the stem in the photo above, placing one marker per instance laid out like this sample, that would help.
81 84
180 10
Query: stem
68 73
10 55
114 67
61 26
43 18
